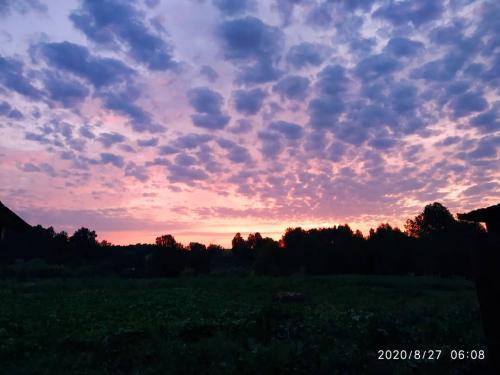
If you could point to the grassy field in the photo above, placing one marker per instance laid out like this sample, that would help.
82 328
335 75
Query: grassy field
225 325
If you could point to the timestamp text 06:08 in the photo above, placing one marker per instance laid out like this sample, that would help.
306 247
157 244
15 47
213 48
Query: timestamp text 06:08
429 354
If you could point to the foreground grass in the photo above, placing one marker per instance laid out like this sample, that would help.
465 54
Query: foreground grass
224 325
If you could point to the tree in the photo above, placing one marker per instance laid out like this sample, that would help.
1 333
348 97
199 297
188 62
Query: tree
167 258
254 240
294 241
390 250
444 244
434 219
60 246
166 240
268 258
242 251
214 250
238 241
198 258
84 242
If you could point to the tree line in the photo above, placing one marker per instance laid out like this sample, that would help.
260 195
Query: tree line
432 243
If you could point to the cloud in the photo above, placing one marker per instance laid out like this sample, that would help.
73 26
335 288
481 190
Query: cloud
335 151
208 105
29 167
320 16
205 100
113 159
45 168
188 175
137 171
248 102
114 23
271 146
209 73
9 112
451 140
21 6
209 121
185 160
403 97
122 102
481 189
254 47
289 101
292 87
443 69
234 7
67 91
151 142
487 148
262 71
288 129
468 103
324 111
191 141
307 54
110 139
12 77
77 60
488 121
103 219
415 12
376 66
382 143
242 126
152 3
39 138
236 153
168 150
250 39
86 132
452 35
362 46
401 46
458 87
315 142
332 80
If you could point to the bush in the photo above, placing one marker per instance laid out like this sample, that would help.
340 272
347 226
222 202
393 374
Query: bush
36 269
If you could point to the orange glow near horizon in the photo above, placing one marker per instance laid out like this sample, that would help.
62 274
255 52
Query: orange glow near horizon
253 121
226 233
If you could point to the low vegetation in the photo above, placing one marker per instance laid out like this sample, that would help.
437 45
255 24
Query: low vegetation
226 324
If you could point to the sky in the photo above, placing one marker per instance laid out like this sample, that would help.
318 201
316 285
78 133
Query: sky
203 118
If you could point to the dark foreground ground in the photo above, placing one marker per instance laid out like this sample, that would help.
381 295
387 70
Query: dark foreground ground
225 325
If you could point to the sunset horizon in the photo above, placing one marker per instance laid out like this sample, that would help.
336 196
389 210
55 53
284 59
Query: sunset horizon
268 187
201 119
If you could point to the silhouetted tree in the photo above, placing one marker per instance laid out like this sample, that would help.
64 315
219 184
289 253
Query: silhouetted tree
390 250
214 250
434 243
60 247
294 241
443 245
433 220
254 240
198 258
84 243
269 259
241 251
166 241
167 258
